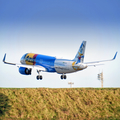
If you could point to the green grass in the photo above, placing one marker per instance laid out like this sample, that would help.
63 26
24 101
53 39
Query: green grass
60 104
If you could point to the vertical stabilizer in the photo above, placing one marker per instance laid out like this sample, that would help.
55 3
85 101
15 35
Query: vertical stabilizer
79 58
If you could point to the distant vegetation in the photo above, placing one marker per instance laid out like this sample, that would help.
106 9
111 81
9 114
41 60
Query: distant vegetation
60 104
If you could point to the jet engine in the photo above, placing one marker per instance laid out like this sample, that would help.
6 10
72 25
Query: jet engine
25 71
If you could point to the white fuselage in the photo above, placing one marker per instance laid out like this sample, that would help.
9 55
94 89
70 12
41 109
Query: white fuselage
67 66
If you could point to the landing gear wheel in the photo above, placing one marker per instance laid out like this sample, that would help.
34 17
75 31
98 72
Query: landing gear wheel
38 77
65 76
61 76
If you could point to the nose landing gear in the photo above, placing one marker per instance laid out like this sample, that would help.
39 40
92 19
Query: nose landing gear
39 76
63 76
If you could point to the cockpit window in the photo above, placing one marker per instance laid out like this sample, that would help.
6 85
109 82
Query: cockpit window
23 57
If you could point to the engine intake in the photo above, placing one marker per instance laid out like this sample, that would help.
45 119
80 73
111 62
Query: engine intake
25 71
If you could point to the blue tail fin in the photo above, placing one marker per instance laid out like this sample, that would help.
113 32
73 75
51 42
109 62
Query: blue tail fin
79 58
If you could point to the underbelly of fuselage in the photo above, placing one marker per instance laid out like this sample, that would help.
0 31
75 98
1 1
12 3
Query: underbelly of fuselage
63 66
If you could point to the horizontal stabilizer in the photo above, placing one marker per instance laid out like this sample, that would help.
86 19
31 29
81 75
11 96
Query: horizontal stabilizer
94 64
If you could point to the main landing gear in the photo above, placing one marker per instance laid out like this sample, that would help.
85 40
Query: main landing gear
63 76
39 76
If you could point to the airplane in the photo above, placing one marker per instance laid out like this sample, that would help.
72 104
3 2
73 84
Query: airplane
44 63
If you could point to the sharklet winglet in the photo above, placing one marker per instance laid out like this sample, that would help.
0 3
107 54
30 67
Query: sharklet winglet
4 57
7 62
115 56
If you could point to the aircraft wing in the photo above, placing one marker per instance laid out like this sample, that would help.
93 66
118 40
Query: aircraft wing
37 67
95 63
7 62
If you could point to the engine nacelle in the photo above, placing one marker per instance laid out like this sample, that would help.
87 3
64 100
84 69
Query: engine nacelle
25 71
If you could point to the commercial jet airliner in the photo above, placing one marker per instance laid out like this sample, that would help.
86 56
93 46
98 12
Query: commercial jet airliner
52 64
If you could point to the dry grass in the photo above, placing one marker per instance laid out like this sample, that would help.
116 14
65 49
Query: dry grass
63 104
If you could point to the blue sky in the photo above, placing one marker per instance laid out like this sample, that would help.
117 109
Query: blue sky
57 28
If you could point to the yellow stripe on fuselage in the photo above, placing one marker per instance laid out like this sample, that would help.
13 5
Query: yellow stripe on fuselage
29 58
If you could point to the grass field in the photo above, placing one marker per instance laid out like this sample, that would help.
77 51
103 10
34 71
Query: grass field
60 104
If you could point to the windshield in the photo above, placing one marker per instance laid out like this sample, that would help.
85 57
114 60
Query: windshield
23 57
22 60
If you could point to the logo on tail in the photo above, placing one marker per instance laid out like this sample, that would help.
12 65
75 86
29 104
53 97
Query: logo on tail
79 58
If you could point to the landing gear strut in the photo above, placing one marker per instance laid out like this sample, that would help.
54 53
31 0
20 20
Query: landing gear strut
39 76
63 76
